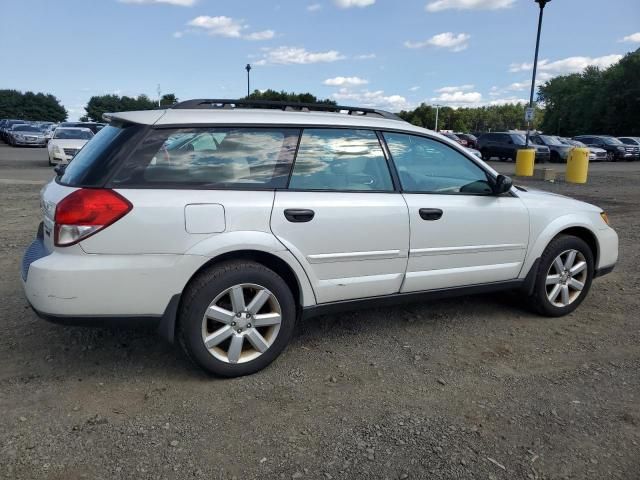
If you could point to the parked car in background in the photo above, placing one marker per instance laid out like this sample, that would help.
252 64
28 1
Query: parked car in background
473 151
454 137
224 245
95 127
472 140
505 145
616 150
595 154
48 132
66 143
26 135
6 126
634 142
559 152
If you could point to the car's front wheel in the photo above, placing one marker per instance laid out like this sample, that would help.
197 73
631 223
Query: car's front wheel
564 276
236 318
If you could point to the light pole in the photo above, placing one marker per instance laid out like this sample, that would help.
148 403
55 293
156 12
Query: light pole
437 109
248 69
542 4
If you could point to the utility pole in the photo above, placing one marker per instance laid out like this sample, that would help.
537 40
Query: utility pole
437 109
159 92
529 115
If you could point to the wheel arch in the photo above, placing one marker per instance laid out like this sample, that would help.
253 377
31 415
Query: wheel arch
587 236
295 278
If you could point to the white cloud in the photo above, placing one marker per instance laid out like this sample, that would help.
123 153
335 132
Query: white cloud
375 99
297 56
439 5
179 3
353 3
519 86
458 98
449 40
314 7
345 81
223 26
263 35
459 88
178 34
567 65
365 56
415 88
633 38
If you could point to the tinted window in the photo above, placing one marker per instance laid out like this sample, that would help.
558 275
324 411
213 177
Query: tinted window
93 164
338 159
611 141
211 157
428 166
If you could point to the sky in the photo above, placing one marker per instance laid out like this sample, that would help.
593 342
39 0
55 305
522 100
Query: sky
391 54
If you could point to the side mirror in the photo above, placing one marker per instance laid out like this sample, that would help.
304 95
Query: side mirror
502 184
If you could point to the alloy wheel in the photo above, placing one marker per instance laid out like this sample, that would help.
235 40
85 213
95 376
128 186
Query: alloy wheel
566 278
241 323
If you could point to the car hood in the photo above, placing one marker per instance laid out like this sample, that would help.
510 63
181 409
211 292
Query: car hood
68 143
28 134
540 198
597 150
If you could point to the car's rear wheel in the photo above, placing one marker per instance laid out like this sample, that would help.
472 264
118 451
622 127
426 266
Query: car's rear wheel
236 318
564 276
485 155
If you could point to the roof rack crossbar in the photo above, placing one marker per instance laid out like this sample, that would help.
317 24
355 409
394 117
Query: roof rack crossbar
204 103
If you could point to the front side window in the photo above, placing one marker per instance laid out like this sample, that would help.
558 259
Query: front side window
340 159
428 166
211 158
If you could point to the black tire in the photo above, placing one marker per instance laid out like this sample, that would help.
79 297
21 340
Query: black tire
555 158
611 157
205 288
485 155
539 300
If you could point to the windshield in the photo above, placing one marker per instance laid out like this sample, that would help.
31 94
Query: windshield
551 140
26 128
518 139
70 134
612 141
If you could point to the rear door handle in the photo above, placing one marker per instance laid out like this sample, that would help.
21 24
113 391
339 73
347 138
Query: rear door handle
299 215
430 213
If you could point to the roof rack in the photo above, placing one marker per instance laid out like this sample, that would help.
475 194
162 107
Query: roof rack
202 103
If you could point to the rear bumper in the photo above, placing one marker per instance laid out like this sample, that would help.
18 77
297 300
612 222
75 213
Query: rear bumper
79 288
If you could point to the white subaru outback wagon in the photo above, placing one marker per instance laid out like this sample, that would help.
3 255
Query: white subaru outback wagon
224 221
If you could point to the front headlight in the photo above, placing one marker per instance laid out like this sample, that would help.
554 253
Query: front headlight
621 149
57 149
19 136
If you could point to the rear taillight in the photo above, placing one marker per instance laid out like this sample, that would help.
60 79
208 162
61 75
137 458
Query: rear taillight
85 212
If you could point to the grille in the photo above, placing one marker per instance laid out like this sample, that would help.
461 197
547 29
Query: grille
70 151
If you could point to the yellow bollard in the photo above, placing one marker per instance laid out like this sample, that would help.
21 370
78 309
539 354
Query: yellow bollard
577 165
525 161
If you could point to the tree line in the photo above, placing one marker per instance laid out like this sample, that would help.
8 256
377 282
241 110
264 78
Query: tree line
596 101
31 106
98 105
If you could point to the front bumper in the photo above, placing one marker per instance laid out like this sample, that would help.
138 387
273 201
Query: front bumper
30 143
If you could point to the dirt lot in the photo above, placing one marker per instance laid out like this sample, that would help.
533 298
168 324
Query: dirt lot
475 387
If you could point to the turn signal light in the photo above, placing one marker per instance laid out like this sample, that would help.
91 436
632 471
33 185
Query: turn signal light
605 217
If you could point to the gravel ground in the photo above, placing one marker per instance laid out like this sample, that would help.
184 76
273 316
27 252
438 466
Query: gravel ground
475 387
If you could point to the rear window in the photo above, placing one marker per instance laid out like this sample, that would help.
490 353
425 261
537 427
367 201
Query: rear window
211 158
95 162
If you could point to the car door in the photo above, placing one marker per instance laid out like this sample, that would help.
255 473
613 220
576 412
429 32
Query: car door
461 233
341 217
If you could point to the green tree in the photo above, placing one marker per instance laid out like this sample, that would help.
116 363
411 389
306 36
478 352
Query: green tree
168 99
595 101
292 97
31 106
100 104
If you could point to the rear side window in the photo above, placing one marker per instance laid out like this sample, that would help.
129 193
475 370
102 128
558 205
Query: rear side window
95 162
211 158
340 160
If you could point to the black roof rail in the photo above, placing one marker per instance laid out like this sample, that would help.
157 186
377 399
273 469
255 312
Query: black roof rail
203 103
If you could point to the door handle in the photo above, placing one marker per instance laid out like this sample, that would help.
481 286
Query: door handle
430 213
297 215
